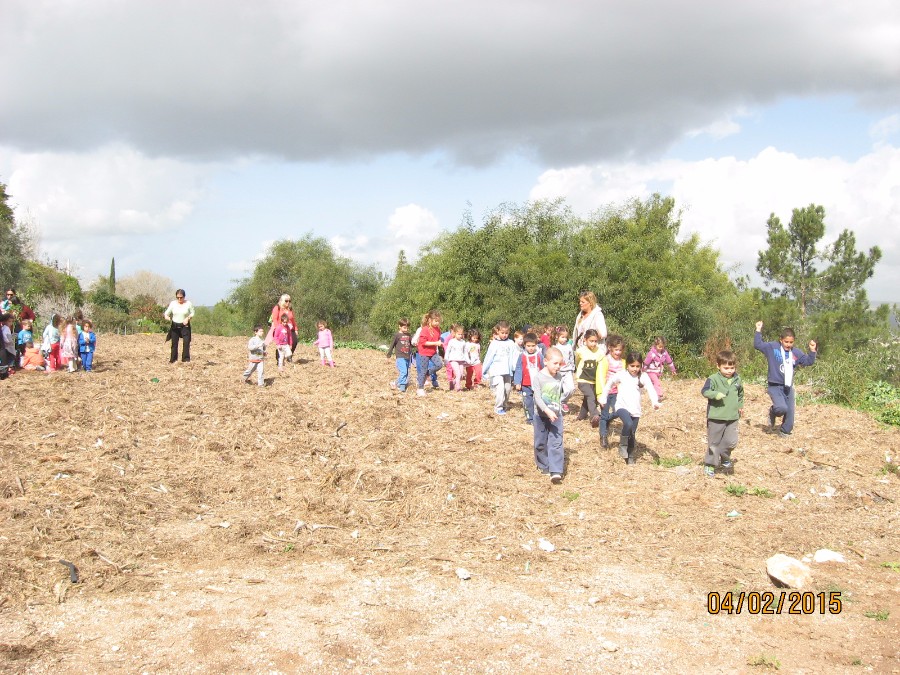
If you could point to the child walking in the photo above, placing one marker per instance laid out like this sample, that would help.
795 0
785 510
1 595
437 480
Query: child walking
402 343
725 406
325 343
528 364
587 360
282 334
455 355
500 365
87 345
256 348
560 339
657 358
630 382
428 361
609 365
549 455
473 358
783 358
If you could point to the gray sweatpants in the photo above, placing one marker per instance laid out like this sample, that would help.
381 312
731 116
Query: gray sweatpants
258 367
722 438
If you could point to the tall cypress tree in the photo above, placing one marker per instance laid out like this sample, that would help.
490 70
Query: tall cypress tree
112 277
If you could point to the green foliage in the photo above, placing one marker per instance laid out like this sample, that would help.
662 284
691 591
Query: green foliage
736 489
765 661
112 277
12 256
321 284
670 462
881 615
762 492
223 318
821 302
47 280
148 314
103 298
527 264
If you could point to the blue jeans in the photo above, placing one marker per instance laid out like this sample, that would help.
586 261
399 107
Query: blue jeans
87 360
549 454
607 413
427 366
627 438
528 401
782 405
403 373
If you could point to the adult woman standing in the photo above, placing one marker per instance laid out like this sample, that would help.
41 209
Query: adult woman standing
283 307
589 316
180 312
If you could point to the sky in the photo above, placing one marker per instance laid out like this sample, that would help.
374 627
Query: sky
186 138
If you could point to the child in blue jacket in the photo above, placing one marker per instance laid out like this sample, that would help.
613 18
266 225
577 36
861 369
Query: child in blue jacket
783 359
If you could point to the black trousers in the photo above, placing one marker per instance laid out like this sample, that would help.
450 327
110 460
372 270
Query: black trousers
183 332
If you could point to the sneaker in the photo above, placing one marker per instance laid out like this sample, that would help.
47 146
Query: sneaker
595 421
604 442
771 427
709 471
546 472
530 422
555 478
565 407
499 411
631 460
727 468
420 392
783 434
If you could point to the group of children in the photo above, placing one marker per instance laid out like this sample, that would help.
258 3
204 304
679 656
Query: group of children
280 334
547 368
66 344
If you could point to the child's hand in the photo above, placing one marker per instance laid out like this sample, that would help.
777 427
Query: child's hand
657 405
812 346
551 416
741 412
518 387
759 325
720 395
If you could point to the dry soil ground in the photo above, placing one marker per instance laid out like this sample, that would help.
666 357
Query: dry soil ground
318 524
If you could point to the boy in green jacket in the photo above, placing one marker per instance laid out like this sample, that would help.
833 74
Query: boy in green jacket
725 392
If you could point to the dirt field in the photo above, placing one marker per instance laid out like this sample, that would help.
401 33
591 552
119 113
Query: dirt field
320 525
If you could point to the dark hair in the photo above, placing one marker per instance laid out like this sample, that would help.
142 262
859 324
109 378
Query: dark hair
589 333
473 333
659 340
182 291
615 341
532 338
725 358
258 326
634 357
787 332
283 317
403 322
501 325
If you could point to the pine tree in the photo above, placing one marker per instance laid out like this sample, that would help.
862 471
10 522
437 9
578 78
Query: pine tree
112 277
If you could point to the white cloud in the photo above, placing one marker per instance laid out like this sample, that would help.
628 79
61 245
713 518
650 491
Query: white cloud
727 201
566 82
114 190
246 267
886 128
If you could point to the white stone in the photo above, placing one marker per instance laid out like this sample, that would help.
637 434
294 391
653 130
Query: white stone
463 573
788 571
823 555
788 497
545 545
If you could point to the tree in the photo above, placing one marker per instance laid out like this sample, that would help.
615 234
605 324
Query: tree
12 257
145 282
788 264
825 284
112 277
321 284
